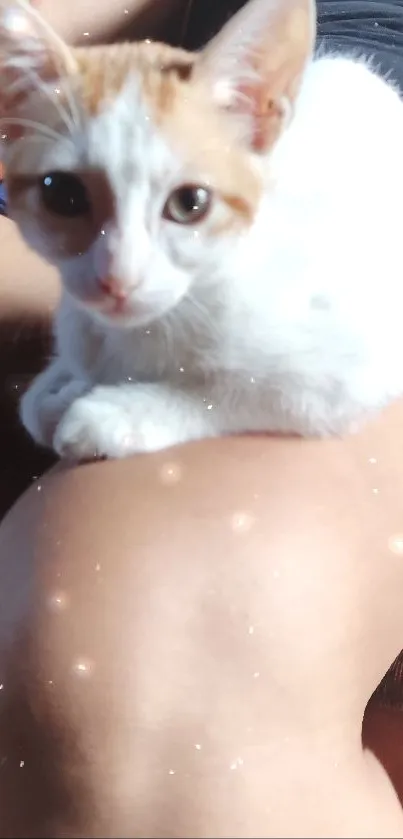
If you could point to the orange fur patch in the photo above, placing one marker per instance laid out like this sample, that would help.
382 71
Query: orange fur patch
182 110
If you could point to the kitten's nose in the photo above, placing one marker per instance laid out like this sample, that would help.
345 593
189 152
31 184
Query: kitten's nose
112 287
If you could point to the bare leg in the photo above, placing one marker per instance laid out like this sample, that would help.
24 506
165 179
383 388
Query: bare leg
189 641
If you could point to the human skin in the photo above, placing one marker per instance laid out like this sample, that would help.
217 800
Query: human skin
240 595
89 21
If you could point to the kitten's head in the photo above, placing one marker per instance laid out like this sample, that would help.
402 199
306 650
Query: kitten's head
132 167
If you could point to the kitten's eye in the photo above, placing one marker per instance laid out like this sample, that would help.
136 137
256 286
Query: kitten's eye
188 204
64 194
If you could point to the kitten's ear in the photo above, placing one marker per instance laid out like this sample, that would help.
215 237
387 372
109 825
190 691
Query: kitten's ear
32 57
255 64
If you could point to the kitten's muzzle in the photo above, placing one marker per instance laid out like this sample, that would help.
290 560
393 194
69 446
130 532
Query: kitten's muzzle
113 288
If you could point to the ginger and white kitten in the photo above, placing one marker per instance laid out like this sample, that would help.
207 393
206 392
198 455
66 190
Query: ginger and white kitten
227 227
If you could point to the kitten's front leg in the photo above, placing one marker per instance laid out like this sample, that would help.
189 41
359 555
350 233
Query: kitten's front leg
117 421
46 400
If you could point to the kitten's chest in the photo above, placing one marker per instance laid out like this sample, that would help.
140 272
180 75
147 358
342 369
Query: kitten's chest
158 352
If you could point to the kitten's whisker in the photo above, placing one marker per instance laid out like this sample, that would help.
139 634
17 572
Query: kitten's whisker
60 54
52 96
74 108
44 130
72 103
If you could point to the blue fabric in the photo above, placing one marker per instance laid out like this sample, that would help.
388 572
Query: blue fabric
3 202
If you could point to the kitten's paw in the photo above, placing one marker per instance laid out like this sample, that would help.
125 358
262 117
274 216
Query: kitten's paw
45 402
94 427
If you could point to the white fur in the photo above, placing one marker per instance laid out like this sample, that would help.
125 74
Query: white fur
296 326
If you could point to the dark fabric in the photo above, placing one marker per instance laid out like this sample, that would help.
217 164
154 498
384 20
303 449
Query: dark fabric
3 205
373 27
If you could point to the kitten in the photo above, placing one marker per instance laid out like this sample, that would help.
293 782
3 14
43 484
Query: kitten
227 226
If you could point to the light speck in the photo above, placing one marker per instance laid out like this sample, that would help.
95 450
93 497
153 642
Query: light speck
39 488
50 681
22 764
242 522
209 407
82 668
181 369
126 12
256 674
147 41
198 747
171 473
148 331
236 763
252 380
372 461
86 34
251 630
1 686
58 601
98 567
276 574
57 91
172 771
395 543
375 491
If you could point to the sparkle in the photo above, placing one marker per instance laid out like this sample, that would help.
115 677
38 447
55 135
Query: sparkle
197 746
82 668
15 21
97 567
58 601
57 91
22 763
395 543
236 763
256 674
126 12
86 34
251 630
172 771
252 380
209 407
181 369
372 461
148 331
242 522
375 491
171 473
39 488
1 686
